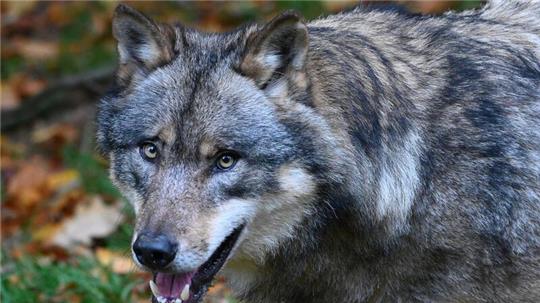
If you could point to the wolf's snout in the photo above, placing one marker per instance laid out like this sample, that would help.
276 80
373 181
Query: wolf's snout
154 251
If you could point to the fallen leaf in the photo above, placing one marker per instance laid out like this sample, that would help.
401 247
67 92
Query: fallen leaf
91 220
335 6
118 263
57 13
100 23
216 288
25 188
46 232
31 87
218 291
55 252
15 9
428 7
57 134
62 180
35 49
9 98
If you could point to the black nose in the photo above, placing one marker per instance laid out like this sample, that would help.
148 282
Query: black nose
154 252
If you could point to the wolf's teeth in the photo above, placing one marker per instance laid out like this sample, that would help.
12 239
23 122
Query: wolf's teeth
154 289
185 293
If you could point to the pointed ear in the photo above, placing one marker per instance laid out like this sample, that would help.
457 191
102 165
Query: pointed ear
143 44
280 47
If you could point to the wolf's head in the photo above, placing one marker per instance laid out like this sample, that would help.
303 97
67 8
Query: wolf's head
213 139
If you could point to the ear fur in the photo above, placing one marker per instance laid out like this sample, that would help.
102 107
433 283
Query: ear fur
143 44
280 47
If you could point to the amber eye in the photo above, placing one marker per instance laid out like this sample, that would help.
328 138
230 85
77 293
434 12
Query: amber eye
149 151
226 161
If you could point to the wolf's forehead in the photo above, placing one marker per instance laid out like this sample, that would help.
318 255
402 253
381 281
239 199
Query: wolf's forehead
198 71
197 101
174 87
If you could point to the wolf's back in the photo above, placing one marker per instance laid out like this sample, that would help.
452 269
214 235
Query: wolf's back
524 13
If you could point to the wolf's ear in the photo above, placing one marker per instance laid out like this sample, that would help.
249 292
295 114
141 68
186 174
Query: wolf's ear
278 48
142 43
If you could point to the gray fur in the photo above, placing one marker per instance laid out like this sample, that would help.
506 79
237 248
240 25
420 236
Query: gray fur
398 160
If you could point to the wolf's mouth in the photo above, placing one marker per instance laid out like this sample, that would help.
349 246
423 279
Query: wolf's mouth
189 287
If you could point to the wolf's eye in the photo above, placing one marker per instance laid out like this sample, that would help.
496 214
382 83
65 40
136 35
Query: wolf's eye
226 160
149 151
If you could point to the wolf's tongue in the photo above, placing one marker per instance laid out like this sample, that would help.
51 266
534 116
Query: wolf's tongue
171 285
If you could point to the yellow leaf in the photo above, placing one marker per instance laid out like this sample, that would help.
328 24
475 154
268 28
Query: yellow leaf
117 262
62 179
46 233
61 131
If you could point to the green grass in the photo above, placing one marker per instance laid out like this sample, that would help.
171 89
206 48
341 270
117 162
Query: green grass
32 280
120 240
94 175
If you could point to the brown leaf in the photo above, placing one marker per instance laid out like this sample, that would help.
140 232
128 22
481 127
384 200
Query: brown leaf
59 208
9 98
55 135
31 87
336 6
218 291
55 252
25 188
100 23
429 7
57 13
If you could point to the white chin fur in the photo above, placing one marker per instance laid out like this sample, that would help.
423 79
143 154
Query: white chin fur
229 216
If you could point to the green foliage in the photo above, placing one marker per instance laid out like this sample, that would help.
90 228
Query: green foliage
308 9
74 63
11 66
120 240
89 55
465 5
31 280
93 173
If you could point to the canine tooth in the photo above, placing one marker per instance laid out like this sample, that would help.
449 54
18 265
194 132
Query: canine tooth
185 293
154 289
161 299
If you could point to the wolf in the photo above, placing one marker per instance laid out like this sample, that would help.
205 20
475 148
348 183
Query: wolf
368 156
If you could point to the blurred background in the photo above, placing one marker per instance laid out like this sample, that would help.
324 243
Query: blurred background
65 229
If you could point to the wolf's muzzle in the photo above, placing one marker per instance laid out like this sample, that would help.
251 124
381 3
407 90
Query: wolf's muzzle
154 251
